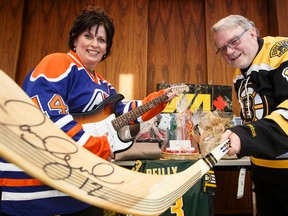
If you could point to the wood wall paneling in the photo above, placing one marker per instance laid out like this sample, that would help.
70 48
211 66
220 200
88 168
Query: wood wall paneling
278 17
46 30
10 34
126 68
226 202
176 43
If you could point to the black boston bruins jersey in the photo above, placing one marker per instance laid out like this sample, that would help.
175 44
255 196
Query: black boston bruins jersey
262 91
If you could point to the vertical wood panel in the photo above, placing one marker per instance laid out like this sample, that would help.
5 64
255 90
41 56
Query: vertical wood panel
10 34
219 72
129 52
226 201
176 46
46 30
281 17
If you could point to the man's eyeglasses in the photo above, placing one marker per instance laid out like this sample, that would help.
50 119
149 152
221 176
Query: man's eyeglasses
231 44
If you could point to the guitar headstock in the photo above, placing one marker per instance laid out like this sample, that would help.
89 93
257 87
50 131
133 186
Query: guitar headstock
179 88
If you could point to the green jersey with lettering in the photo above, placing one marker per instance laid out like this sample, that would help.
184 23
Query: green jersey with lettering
197 201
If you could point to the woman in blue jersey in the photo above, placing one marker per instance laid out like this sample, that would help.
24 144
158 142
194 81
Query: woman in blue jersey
261 83
61 84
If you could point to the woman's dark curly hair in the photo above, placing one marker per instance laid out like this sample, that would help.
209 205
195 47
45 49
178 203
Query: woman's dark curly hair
88 18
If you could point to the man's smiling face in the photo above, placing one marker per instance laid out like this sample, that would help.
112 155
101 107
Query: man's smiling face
241 55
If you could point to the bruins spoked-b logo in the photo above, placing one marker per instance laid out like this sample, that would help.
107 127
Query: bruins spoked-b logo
279 48
254 105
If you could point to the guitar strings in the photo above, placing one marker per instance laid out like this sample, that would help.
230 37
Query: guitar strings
122 120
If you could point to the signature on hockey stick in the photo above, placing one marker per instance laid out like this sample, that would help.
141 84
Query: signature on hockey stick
55 155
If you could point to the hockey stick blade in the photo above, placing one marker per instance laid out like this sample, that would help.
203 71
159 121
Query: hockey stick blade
33 142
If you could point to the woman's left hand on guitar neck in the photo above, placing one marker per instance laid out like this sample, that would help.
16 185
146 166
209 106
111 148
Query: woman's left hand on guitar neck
170 94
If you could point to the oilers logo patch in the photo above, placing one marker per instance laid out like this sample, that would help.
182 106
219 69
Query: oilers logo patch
279 48
285 73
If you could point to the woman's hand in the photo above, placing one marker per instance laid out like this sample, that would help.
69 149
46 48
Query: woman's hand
111 157
170 94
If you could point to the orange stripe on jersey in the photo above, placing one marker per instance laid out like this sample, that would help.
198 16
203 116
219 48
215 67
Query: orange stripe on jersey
35 100
74 130
133 106
20 182
52 66
98 146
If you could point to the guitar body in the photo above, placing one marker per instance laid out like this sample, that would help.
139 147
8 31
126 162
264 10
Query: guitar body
103 110
105 127
99 122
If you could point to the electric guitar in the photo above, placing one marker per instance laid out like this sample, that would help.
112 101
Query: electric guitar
102 120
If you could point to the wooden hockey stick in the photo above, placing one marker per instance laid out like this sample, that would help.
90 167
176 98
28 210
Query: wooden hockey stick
34 143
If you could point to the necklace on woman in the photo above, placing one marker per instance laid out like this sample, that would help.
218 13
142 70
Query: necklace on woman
92 73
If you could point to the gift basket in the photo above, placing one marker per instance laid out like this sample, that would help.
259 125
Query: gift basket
181 145
208 128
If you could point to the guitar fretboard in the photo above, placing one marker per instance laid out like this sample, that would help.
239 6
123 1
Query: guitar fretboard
126 118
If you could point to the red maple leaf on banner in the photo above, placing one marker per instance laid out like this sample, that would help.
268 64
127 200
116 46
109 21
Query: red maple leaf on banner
220 103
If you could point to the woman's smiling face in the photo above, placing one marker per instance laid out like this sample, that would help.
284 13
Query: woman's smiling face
91 45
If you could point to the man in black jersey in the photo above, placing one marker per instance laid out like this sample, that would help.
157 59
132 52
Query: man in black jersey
261 83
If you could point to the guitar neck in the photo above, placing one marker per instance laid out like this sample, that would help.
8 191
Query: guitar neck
126 118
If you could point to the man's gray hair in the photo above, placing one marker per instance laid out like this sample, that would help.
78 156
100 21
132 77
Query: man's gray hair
232 21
